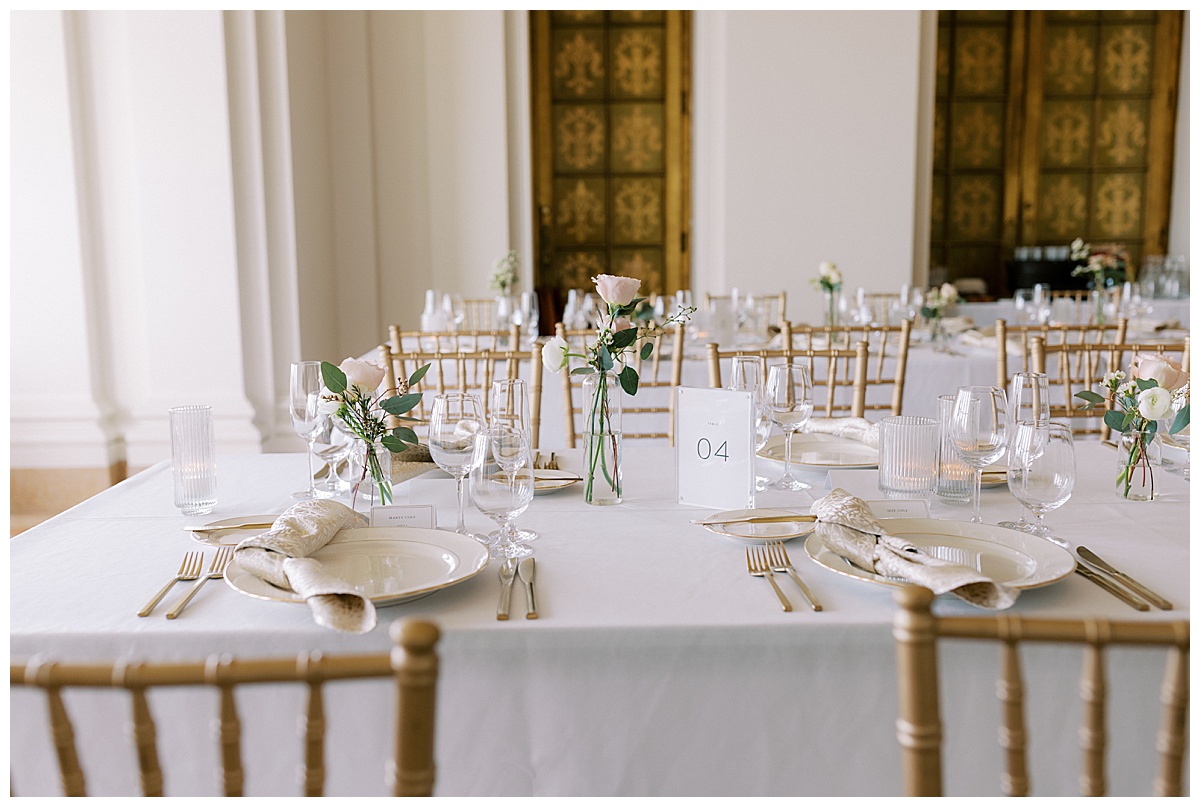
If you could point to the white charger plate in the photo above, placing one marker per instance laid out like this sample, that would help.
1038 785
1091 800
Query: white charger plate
387 565
822 451
1006 556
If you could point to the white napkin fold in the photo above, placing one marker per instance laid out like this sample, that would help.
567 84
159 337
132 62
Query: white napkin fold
986 338
859 429
848 528
280 556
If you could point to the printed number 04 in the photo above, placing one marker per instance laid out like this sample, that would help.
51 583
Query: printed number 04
705 450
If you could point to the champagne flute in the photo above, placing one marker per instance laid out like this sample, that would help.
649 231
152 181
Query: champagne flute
1041 471
748 375
788 399
304 395
502 495
979 428
456 443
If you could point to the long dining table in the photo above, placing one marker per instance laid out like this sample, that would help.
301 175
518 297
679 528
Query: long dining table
658 666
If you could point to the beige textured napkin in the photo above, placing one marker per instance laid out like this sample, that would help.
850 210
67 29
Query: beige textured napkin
859 429
986 338
280 556
847 527
412 462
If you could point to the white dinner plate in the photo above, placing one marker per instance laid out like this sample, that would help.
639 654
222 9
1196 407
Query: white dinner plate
822 451
233 536
546 480
1006 556
387 565
760 533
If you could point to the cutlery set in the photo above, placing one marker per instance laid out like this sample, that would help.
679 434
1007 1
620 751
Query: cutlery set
548 465
771 558
190 569
1133 593
510 570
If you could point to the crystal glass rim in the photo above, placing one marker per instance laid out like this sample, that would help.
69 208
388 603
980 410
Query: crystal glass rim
189 408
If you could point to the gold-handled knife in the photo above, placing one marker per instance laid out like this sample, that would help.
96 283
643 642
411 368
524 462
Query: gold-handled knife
753 519
1104 566
1111 588
525 570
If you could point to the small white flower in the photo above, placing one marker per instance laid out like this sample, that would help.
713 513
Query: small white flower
554 354
1109 378
1154 403
329 404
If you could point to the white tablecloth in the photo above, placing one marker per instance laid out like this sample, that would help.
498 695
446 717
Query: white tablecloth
658 666
988 313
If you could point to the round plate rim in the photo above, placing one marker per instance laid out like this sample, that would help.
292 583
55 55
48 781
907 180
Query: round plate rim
821 438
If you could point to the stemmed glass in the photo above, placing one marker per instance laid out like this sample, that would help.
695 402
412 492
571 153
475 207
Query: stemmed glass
332 445
502 492
304 394
528 315
1028 403
747 374
508 407
1041 471
788 399
456 443
979 428
454 310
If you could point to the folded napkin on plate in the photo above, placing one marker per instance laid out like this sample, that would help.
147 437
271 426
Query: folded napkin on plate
280 556
412 461
986 338
859 429
956 325
847 527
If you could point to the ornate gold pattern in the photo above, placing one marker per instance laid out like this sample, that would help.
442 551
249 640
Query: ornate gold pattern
1070 62
1127 60
638 139
578 269
977 137
939 136
974 208
937 211
1122 135
635 264
636 210
581 212
637 63
1068 131
581 138
580 63
1118 205
1064 208
981 60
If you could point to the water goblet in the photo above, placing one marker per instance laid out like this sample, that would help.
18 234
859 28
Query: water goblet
304 395
332 444
788 399
979 428
502 495
456 443
1041 471
747 374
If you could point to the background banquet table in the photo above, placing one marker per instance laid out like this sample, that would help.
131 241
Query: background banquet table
988 313
658 666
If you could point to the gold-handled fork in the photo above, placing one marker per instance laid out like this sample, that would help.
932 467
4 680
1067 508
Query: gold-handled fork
779 561
188 570
758 566
215 569
551 464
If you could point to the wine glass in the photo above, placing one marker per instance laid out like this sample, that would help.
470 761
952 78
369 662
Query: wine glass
528 314
748 375
332 444
1028 398
502 495
1041 471
788 399
979 428
304 395
508 404
456 443
454 310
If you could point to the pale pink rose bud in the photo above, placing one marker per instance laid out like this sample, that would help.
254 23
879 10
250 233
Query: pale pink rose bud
616 290
1166 371
362 374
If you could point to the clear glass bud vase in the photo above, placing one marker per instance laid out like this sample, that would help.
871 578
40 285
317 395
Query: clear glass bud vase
371 485
602 439
1137 454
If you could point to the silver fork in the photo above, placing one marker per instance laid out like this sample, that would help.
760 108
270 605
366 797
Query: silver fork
188 570
215 569
780 562
758 566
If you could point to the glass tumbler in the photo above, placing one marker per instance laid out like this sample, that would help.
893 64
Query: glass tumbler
908 456
194 459
953 475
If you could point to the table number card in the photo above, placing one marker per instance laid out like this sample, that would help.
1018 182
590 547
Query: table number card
714 447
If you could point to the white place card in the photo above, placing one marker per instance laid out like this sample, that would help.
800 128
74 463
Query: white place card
404 515
714 447
899 508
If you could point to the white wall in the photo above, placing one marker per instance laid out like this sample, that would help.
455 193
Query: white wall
1180 238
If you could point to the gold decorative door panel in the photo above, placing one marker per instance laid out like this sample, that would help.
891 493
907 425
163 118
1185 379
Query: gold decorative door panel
1051 126
610 148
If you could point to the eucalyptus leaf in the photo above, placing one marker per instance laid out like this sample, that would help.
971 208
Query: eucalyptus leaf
1145 383
399 404
418 375
334 378
583 371
406 434
1182 419
647 350
605 358
1114 420
393 444
629 380
1092 398
624 338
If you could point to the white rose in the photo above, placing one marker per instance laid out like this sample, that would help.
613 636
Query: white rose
949 292
554 354
362 374
1154 403
616 290
830 272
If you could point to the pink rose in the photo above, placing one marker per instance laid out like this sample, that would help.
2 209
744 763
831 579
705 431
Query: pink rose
362 374
1166 371
616 290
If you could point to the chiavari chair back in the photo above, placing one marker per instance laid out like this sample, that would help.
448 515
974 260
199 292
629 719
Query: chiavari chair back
402 341
466 371
412 664
1107 334
1072 368
479 314
662 371
917 632
776 305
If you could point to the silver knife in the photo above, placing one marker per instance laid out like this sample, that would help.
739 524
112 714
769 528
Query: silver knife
508 571
1111 588
526 569
1105 566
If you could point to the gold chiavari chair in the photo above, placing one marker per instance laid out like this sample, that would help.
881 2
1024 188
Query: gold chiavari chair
1051 334
1072 368
776 305
402 341
479 314
830 369
412 663
662 371
468 371
919 731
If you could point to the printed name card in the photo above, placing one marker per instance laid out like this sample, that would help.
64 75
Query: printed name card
899 508
404 515
714 447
